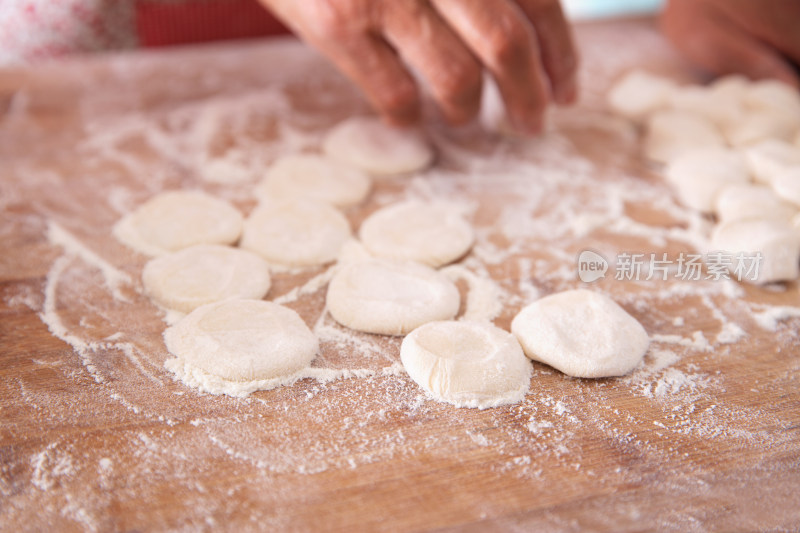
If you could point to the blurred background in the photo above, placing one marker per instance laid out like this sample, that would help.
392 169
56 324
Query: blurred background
39 30
589 9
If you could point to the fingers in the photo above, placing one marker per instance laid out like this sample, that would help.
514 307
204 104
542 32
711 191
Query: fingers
346 33
776 26
376 68
449 42
428 44
558 51
504 41
716 43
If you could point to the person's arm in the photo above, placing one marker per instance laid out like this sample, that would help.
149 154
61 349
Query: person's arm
526 45
757 38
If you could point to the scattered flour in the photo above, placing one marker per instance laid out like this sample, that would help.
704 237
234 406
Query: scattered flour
363 407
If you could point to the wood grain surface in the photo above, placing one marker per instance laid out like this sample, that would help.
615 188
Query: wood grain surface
97 435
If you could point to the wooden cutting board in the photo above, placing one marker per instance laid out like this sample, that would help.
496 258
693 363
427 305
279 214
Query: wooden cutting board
97 435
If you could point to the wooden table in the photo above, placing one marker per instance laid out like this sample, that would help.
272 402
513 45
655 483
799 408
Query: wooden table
97 435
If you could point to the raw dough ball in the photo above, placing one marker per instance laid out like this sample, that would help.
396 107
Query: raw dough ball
243 340
296 233
639 93
205 273
771 157
742 201
776 240
787 185
467 364
175 220
314 177
370 145
581 333
698 175
434 234
672 133
390 297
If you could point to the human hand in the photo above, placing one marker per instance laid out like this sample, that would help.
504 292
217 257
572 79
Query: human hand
760 39
526 45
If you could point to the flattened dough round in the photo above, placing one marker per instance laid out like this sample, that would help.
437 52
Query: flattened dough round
468 364
372 146
430 233
174 220
203 274
295 233
581 333
770 158
243 340
787 185
672 133
390 297
699 175
639 93
774 238
315 177
749 200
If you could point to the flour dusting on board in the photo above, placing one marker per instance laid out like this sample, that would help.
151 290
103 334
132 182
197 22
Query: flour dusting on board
535 205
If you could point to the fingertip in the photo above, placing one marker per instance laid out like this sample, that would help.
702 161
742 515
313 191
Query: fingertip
399 105
566 93
529 125
463 110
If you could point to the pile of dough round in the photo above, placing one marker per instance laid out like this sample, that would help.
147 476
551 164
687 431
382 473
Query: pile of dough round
742 201
315 177
243 340
203 274
174 220
372 146
296 233
639 93
672 133
581 333
771 157
699 175
430 233
467 364
775 239
390 297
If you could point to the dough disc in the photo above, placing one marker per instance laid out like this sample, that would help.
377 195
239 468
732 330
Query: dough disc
296 233
434 234
203 274
390 297
774 238
672 133
742 201
372 146
699 175
174 220
581 333
468 364
314 177
243 340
